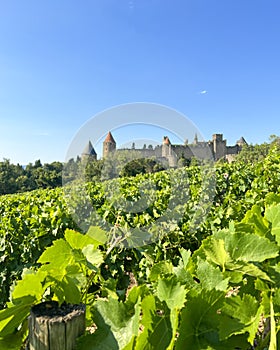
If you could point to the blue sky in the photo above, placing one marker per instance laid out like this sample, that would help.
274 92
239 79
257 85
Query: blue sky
62 62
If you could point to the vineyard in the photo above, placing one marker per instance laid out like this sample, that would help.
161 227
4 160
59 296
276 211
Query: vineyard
179 259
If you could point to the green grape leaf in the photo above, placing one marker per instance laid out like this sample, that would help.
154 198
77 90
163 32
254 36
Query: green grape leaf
170 291
60 254
255 218
15 341
67 290
215 251
184 276
186 255
200 320
78 240
13 316
75 272
237 270
211 277
162 268
135 293
240 315
246 246
11 342
199 327
31 284
157 332
66 283
93 256
98 235
102 339
272 214
250 247
58 259
117 323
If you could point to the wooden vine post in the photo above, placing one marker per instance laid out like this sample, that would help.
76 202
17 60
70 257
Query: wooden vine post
55 328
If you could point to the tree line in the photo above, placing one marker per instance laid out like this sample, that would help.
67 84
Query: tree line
16 178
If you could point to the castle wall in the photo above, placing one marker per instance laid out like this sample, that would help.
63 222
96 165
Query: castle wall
146 152
215 149
202 151
233 149
182 151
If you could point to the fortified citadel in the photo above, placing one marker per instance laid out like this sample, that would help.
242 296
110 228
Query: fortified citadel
215 149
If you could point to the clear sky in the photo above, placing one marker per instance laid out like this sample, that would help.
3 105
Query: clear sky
62 62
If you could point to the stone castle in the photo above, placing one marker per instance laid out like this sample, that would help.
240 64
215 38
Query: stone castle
215 149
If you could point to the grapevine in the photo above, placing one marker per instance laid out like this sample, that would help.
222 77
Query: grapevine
213 288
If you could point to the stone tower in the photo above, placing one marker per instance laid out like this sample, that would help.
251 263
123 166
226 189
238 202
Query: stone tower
219 146
109 145
168 153
166 147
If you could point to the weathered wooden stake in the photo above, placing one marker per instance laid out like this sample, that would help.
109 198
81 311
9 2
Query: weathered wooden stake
54 328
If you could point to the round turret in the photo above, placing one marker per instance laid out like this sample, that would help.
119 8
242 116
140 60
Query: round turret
109 145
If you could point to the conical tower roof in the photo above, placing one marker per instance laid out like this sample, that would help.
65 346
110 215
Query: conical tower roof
89 150
109 138
241 141
166 140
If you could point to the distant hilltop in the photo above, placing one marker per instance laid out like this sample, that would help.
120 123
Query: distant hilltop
216 149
